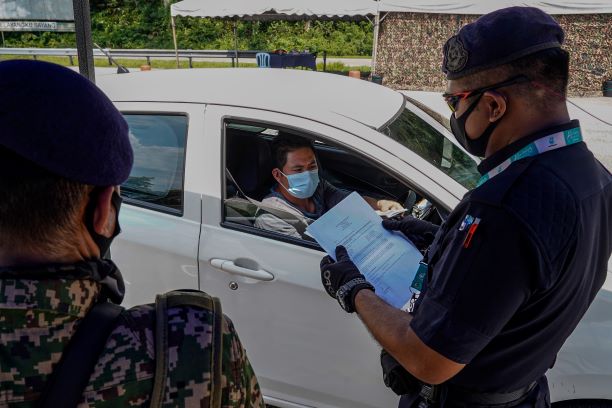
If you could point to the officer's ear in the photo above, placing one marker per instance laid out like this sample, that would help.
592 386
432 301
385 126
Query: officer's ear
495 105
104 218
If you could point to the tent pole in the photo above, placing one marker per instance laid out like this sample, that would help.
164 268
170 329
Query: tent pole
236 42
375 40
175 43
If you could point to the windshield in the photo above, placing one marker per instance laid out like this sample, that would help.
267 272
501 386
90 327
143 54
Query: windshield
420 137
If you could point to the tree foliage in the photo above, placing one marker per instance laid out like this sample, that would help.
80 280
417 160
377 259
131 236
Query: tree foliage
146 24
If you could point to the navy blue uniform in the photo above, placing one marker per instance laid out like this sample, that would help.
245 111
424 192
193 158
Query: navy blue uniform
516 265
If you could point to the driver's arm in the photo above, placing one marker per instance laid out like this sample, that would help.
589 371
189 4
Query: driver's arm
383 205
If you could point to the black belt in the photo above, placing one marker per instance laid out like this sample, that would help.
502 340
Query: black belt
462 395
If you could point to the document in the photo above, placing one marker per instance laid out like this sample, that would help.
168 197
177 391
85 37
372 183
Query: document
388 260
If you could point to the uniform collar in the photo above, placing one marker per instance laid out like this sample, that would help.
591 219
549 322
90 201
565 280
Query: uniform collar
498 157
66 289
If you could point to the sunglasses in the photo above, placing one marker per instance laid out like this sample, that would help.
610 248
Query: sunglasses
452 99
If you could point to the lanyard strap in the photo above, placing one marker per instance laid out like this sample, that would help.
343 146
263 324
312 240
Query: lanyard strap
545 144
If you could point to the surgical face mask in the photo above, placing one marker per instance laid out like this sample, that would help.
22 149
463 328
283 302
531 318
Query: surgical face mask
101 241
478 146
302 185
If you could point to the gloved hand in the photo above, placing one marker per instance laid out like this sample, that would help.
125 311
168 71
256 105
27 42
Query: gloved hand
342 280
386 205
396 377
421 233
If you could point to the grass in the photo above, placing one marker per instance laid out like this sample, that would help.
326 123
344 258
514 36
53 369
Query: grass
184 63
136 63
348 56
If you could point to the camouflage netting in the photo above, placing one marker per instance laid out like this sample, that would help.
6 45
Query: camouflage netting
410 50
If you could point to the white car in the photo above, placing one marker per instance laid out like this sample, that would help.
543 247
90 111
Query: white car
186 224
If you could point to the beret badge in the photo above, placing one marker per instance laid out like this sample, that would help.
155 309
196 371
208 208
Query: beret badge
455 55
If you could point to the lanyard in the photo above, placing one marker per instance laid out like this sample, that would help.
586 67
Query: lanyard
542 145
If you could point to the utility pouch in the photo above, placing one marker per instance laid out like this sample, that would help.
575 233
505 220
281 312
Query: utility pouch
397 378
430 395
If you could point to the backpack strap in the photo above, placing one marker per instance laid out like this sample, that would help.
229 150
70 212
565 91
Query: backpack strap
201 300
69 378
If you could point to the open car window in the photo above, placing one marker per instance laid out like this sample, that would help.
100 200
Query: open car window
252 205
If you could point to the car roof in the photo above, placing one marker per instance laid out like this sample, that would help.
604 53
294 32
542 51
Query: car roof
305 93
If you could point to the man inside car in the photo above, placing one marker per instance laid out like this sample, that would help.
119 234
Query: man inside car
299 191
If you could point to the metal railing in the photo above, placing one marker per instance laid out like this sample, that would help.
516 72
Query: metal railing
147 54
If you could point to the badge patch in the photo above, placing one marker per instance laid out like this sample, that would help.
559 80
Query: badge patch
470 234
455 55
467 221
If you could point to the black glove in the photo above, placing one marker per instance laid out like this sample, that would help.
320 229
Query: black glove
421 233
342 280
396 377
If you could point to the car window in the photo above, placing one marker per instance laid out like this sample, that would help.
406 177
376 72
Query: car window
420 137
156 179
254 203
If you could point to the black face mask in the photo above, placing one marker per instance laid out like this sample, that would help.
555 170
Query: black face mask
101 241
478 146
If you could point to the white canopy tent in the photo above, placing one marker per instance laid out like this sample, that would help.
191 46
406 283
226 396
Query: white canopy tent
373 10
479 7
266 10
262 10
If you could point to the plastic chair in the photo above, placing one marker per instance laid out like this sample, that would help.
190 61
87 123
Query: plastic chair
263 59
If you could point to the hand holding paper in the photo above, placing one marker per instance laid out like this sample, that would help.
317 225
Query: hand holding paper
420 233
388 260
342 280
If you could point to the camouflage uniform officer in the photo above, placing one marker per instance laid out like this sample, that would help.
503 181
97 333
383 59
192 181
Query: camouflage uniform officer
63 149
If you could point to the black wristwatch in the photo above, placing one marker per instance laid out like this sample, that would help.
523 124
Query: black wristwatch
346 293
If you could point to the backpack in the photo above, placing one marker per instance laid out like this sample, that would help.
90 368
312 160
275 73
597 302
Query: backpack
66 384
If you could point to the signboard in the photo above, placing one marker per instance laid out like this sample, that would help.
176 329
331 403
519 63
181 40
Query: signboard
36 15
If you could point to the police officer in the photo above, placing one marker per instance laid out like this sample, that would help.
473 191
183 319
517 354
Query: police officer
518 262
64 149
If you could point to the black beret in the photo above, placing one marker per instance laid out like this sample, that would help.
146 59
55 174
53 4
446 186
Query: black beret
59 120
498 38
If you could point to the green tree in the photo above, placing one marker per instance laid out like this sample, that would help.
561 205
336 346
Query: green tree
138 24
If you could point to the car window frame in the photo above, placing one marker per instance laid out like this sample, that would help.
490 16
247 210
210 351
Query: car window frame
251 229
158 207
315 137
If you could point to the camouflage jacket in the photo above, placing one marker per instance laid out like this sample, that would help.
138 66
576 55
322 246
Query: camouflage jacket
39 313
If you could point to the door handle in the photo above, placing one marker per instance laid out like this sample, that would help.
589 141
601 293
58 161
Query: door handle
229 266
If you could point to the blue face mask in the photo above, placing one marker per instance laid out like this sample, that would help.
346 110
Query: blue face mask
302 185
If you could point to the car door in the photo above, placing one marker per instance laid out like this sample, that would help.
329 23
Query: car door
160 217
304 349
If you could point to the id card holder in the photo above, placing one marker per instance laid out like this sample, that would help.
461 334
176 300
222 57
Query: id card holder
419 278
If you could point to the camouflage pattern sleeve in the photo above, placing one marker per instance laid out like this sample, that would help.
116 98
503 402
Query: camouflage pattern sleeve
240 386
36 322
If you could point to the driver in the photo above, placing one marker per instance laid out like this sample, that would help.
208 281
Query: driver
299 190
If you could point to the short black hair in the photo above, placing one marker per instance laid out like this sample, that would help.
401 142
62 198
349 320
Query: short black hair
549 68
285 143
548 71
35 205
